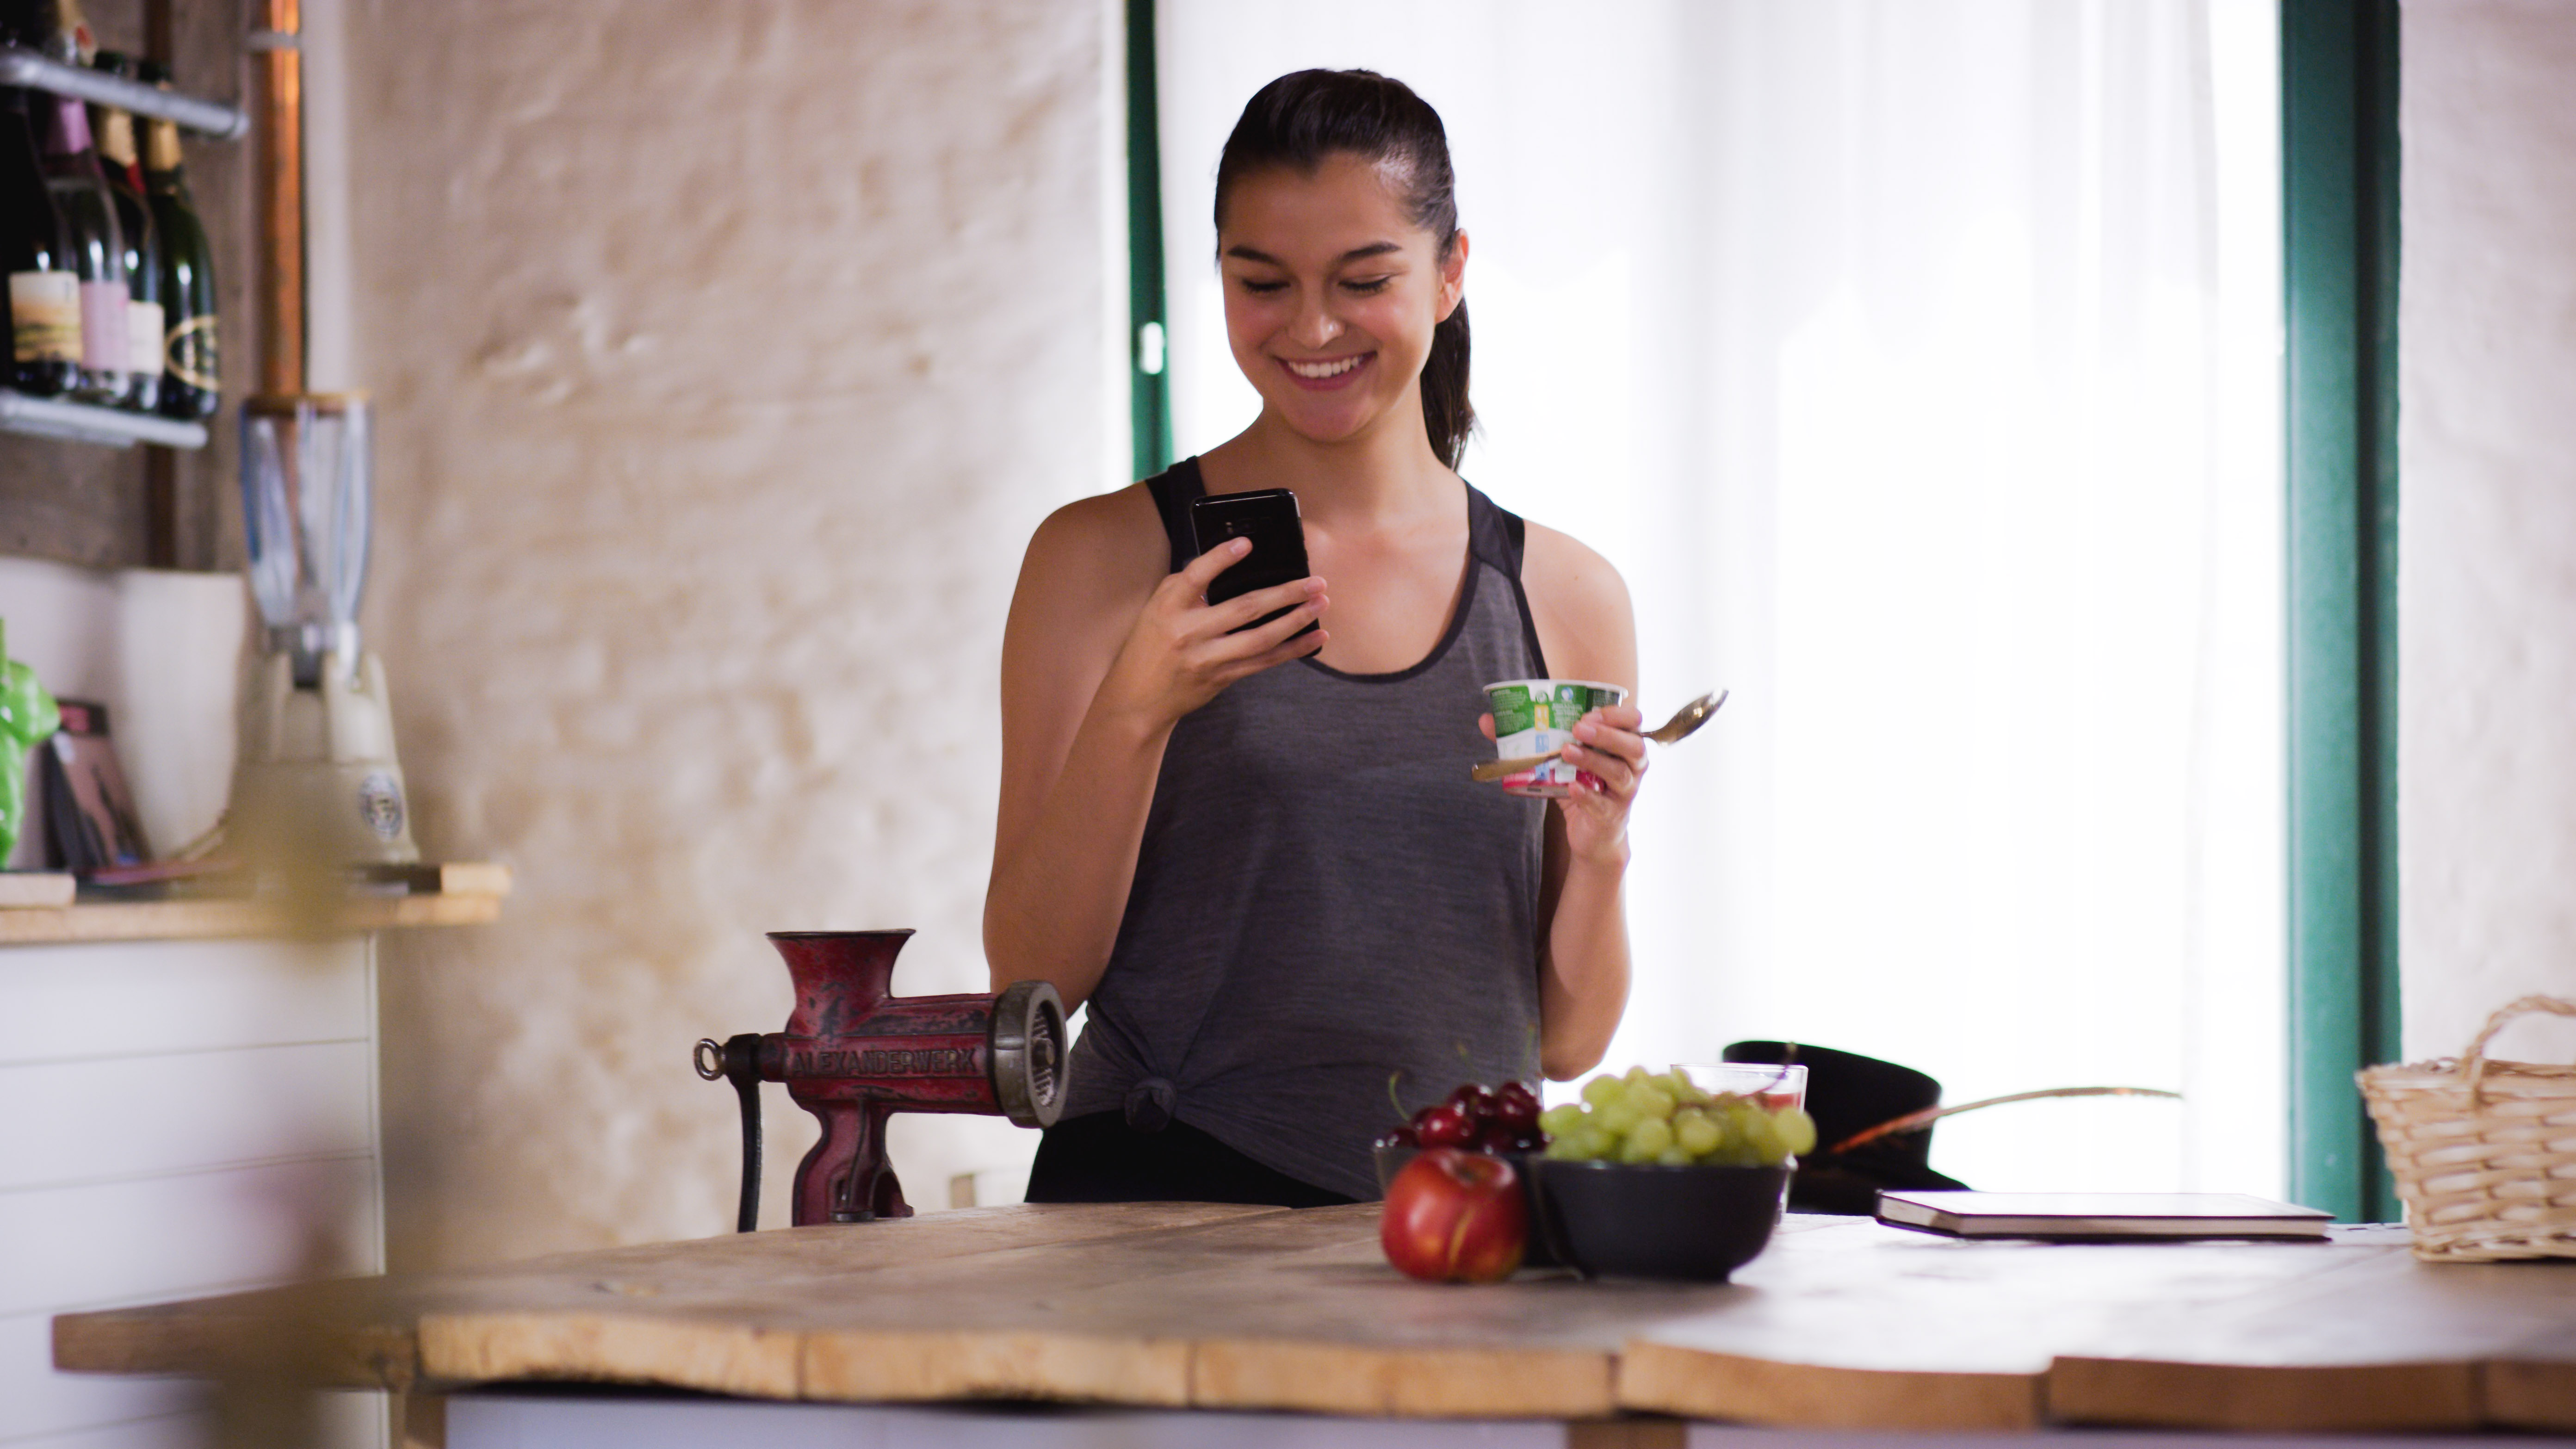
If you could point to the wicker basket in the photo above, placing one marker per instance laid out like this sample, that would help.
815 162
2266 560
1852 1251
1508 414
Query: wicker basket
2484 1152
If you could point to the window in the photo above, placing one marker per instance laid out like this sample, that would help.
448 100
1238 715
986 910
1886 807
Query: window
1918 364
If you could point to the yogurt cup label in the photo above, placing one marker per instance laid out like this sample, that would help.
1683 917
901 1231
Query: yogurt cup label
1534 716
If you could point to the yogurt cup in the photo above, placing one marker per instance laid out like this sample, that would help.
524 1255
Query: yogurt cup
1534 716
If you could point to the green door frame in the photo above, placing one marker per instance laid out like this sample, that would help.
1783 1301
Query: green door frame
2339 266
1149 374
2339 269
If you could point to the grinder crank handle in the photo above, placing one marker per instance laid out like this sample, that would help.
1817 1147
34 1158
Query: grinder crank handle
737 1060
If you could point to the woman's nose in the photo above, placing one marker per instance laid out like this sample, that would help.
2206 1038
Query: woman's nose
1315 325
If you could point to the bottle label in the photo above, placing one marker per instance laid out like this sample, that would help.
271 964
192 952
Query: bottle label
143 338
44 317
69 135
115 133
192 352
161 147
103 324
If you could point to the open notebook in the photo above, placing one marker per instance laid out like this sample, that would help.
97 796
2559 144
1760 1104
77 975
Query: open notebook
2094 1216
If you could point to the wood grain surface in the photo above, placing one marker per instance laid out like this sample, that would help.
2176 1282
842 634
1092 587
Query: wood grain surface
1855 1325
1841 1324
2382 1342
2533 1384
471 896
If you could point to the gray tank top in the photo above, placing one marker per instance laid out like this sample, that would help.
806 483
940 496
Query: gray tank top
1323 900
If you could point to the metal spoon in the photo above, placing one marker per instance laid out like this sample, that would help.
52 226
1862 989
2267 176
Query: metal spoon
1671 732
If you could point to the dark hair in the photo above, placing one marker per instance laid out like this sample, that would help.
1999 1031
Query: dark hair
1301 118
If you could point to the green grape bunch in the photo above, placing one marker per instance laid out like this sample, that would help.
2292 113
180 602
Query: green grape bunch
1646 1117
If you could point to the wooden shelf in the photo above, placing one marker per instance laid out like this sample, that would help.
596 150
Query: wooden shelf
47 417
252 916
20 66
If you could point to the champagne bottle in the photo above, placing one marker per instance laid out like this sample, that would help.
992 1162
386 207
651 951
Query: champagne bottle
68 37
188 385
122 166
26 23
98 249
42 301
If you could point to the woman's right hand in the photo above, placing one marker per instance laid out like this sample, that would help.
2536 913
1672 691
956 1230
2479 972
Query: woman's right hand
1182 651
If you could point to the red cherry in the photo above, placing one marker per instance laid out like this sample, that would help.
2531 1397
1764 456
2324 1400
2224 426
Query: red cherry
1475 1099
1444 1126
1516 1104
1530 1141
1497 1137
1403 1136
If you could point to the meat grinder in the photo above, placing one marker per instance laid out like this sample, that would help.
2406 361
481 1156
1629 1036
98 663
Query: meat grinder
854 1054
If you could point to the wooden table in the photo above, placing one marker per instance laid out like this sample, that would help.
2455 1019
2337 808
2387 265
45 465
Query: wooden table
1841 1323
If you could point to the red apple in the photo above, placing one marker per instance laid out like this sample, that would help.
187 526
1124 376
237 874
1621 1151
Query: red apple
1455 1217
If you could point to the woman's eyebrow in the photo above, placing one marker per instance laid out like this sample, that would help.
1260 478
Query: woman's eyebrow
1373 249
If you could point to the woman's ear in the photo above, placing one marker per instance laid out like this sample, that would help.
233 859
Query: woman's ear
1453 276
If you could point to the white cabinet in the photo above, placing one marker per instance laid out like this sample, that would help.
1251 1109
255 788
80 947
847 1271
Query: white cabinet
177 1118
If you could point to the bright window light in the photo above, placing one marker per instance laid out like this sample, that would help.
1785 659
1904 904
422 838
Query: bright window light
1917 363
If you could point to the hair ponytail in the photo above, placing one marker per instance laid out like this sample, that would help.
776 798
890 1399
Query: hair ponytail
1446 414
1301 118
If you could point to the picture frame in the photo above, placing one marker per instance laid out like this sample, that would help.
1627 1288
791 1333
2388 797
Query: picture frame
90 821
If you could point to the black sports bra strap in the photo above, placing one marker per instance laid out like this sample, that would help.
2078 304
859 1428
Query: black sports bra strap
1174 490
1500 537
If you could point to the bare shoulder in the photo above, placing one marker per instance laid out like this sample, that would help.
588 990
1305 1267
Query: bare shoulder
1096 552
1580 604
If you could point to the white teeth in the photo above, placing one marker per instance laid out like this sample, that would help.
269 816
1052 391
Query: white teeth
1326 369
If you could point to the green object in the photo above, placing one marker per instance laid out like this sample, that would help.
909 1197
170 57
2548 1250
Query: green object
2339 171
1149 378
1536 717
27 715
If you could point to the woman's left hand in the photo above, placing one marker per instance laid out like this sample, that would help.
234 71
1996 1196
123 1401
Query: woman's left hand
1609 757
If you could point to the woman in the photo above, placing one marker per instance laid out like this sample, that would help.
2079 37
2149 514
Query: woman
1257 855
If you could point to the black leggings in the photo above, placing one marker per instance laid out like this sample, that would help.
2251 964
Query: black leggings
1099 1158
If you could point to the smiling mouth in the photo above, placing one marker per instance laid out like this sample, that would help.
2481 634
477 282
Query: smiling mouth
1327 371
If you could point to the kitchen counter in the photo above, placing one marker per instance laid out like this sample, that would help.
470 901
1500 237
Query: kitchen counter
1842 1323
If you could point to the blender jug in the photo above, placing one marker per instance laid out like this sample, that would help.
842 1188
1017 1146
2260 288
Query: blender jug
317 775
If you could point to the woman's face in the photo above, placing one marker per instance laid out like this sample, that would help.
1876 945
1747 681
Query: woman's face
1331 295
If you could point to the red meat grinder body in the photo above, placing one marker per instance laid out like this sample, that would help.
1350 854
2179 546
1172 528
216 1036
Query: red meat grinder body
853 1054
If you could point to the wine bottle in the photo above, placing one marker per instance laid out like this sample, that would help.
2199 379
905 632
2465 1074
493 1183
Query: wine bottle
42 301
68 39
188 384
123 168
26 22
98 249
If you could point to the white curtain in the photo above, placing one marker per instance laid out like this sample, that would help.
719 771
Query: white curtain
1915 360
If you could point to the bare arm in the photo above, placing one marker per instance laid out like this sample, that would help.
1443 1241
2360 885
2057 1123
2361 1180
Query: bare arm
1102 656
1589 632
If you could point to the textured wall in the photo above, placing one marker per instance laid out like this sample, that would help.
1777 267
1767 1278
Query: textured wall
727 352
2487 607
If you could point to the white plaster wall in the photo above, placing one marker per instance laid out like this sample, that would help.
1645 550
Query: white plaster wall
161 649
2487 579
727 352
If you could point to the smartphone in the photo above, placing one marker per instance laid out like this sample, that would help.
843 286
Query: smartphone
1268 518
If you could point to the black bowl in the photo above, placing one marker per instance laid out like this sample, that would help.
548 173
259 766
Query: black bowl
1391 1160
1650 1221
